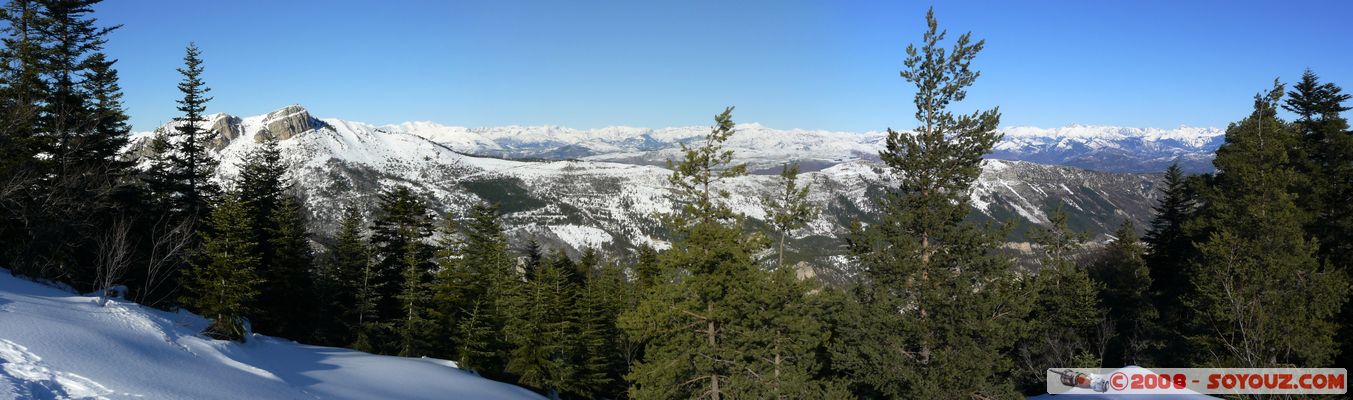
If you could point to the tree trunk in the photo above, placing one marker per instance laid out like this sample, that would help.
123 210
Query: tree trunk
713 376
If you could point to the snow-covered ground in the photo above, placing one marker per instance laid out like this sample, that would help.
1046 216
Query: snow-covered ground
57 345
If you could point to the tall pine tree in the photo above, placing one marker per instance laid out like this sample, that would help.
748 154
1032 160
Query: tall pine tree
1262 297
787 208
190 168
944 309
223 282
1121 270
1066 313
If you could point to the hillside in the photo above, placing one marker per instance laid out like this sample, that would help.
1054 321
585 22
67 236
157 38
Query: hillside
57 345
612 202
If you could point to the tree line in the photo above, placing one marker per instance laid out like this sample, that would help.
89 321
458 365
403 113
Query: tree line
1244 267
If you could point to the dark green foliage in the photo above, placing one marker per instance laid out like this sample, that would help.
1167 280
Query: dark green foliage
1261 298
415 328
1327 145
288 298
542 331
286 304
188 180
1170 253
399 238
646 268
1066 314
1121 271
943 310
473 288
223 283
714 324
339 281
60 114
787 208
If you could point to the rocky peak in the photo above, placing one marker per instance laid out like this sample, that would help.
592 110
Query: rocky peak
286 123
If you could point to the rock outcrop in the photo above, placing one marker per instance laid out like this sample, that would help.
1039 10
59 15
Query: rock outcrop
286 123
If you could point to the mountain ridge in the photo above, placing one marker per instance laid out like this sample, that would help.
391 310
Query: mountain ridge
610 202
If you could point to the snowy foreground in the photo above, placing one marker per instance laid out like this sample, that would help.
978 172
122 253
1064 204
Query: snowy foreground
55 345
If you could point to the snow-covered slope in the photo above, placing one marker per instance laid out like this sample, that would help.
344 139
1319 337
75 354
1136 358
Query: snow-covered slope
1102 148
613 201
57 345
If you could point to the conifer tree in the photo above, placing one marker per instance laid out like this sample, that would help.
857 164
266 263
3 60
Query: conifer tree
1170 255
1121 271
371 327
474 289
1262 297
21 53
402 225
415 328
605 350
288 295
1327 147
647 271
476 350
109 118
285 304
223 283
698 339
190 167
1066 313
67 119
943 309
541 331
787 208
339 281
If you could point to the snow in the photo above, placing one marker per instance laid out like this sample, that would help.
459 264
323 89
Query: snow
56 345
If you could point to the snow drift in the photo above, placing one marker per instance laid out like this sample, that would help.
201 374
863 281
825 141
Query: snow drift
57 345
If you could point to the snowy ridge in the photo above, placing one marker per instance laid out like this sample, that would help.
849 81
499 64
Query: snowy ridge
612 201
56 345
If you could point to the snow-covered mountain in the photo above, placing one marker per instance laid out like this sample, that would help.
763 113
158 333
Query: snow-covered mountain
58 345
612 200
1101 148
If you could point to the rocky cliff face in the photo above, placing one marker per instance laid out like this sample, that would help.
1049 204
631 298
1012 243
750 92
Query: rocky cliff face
286 123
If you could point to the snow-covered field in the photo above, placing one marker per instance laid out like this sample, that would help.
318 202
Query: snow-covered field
57 345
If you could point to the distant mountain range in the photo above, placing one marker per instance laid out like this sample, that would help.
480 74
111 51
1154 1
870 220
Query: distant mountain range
604 188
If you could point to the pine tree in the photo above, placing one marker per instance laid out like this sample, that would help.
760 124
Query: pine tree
190 167
1122 272
371 328
403 225
477 350
943 309
67 118
1262 297
647 270
288 295
109 118
1170 255
1066 313
474 289
541 331
1327 150
223 283
706 330
339 281
21 69
787 208
605 350
283 244
415 328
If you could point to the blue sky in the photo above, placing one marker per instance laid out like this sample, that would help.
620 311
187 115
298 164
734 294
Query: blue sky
785 64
